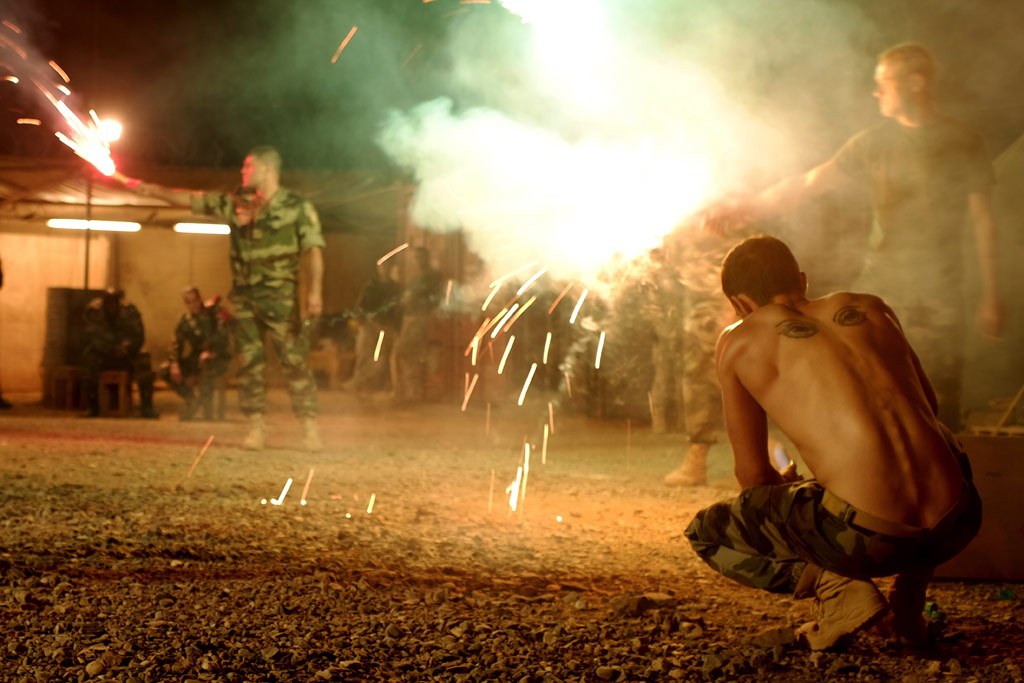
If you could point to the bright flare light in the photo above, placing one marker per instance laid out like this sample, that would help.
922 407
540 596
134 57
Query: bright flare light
579 305
284 492
203 228
504 356
81 224
600 348
380 342
526 385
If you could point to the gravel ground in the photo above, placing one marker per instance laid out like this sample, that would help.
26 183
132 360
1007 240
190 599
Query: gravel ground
115 564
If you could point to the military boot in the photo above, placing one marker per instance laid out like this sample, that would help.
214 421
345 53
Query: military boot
188 413
311 439
92 398
257 437
843 606
206 401
146 401
694 470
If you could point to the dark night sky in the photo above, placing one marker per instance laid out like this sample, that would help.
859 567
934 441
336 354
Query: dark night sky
197 82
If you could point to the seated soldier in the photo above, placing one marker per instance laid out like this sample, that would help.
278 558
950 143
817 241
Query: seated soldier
113 335
892 491
199 354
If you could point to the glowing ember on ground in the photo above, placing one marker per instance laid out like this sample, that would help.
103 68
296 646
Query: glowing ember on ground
504 356
579 305
196 461
391 253
547 347
526 385
343 44
305 488
469 391
284 492
376 351
600 348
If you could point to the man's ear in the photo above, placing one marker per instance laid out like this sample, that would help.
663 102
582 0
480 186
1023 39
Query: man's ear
916 83
743 305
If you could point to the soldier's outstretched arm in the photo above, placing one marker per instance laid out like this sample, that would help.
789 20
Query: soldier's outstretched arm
171 195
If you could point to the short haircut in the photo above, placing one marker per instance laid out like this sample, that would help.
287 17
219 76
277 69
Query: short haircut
190 289
268 155
760 267
914 57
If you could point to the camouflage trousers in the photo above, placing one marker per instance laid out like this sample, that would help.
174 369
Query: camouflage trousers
259 311
766 536
684 370
193 377
415 359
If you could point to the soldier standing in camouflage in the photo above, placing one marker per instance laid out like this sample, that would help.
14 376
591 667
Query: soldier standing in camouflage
114 334
413 356
199 355
271 227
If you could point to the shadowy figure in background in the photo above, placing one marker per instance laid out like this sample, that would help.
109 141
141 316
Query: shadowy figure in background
926 173
199 355
271 228
415 357
892 490
379 312
113 336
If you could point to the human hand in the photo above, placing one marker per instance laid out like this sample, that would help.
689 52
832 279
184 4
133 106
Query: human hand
205 356
314 304
789 473
175 373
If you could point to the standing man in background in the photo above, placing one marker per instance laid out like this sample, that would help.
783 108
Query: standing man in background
271 228
926 174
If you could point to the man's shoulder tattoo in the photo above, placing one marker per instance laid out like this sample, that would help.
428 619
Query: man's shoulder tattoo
848 316
796 329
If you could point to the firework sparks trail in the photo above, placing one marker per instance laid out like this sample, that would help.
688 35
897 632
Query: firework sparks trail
391 253
526 470
412 54
373 499
547 347
11 26
513 319
448 294
528 283
579 305
568 385
509 274
526 385
343 44
284 492
513 491
480 332
29 122
376 351
560 297
196 461
305 488
60 72
544 447
551 417
600 348
469 391
490 297
504 356
476 347
497 328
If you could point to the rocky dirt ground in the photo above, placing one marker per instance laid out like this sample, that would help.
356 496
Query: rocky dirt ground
117 565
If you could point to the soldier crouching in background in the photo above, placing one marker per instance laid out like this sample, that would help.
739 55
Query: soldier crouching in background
113 337
199 355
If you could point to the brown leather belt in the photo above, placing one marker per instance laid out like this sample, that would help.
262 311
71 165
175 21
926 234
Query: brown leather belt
854 517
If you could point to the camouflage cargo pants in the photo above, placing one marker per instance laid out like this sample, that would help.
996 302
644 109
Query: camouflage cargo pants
415 359
274 311
765 537
195 378
370 374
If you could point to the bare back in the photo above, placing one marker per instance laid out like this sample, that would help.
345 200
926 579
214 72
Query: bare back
838 377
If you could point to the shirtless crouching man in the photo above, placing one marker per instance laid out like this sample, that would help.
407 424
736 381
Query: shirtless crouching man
892 491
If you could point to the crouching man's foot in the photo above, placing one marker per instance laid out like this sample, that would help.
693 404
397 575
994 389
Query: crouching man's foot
311 435
844 606
694 470
256 439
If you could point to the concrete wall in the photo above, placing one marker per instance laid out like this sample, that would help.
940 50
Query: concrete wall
34 260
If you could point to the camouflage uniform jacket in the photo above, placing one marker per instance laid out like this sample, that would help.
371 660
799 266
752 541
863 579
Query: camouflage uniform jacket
196 333
103 336
267 240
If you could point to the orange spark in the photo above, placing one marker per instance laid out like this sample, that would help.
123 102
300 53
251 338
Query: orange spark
12 79
11 26
305 489
196 461
391 253
448 294
551 416
560 296
600 348
497 328
87 142
526 385
376 351
343 44
544 448
533 278
547 346
16 48
469 391
411 55
504 356
519 313
568 385
509 274
29 122
64 90
481 331
579 305
490 297
60 72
